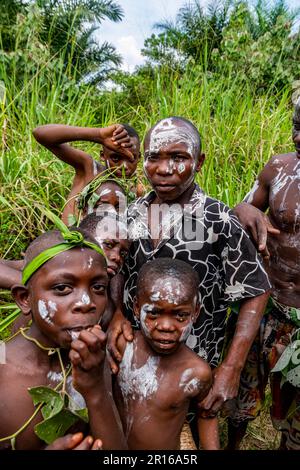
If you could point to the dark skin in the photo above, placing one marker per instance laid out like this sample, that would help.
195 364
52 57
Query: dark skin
112 198
155 422
66 298
119 151
181 185
275 191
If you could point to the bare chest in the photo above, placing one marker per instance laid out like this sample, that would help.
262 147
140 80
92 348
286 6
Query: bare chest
284 197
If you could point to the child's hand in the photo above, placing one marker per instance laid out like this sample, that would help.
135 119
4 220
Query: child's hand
87 356
75 442
116 138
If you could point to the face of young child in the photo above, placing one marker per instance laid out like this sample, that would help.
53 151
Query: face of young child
170 159
166 309
68 294
121 163
112 199
115 251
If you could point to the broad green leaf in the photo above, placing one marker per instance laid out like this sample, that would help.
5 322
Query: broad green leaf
43 395
53 407
82 414
55 427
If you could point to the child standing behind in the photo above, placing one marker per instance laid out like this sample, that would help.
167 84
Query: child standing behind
159 375
121 151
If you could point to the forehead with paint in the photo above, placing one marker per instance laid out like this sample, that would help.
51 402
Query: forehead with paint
168 281
170 134
111 194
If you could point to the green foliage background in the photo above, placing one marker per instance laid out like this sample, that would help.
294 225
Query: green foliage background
230 69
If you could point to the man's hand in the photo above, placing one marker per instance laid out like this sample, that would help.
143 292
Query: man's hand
257 224
75 442
118 326
87 356
225 387
116 138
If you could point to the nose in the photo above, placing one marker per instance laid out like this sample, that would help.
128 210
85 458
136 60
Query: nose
165 324
115 256
165 167
84 304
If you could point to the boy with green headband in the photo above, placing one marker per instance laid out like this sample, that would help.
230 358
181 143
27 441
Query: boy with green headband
65 291
121 152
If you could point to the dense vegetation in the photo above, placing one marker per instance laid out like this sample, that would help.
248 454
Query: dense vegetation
230 69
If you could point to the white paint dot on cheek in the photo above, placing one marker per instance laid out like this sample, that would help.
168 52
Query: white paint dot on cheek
181 167
52 308
186 332
43 311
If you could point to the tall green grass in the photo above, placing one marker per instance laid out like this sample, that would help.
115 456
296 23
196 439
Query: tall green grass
240 132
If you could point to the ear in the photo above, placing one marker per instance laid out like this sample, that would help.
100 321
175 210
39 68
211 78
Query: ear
200 162
20 294
136 308
195 315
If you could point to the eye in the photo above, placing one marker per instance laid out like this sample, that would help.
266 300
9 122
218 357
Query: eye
152 315
179 158
182 316
152 157
108 245
63 289
99 288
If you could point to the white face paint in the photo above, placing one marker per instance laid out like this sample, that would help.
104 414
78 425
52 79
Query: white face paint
43 311
186 332
143 313
104 192
85 299
181 167
167 132
168 289
55 376
90 262
52 308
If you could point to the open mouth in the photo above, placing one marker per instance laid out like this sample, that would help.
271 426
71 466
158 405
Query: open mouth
165 343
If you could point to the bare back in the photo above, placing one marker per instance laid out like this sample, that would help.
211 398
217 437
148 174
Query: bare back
153 393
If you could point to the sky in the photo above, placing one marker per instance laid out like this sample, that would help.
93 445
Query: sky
139 18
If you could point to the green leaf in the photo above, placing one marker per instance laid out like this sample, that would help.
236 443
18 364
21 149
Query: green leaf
55 427
43 395
82 414
53 407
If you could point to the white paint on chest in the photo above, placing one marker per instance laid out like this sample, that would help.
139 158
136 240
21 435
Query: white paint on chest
137 383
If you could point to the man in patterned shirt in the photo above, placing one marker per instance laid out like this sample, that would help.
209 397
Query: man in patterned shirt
178 220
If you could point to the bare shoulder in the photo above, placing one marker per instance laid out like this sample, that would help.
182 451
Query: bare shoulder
197 369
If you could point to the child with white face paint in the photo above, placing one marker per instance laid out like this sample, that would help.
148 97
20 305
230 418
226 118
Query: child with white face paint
65 301
159 375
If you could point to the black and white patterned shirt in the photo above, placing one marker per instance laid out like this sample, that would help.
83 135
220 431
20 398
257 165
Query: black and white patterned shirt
226 260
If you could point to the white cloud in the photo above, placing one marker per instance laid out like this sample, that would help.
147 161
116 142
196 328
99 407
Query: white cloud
129 49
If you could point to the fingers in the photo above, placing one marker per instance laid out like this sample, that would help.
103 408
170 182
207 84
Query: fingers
262 234
67 442
89 342
112 343
112 363
127 331
86 444
97 445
